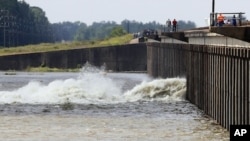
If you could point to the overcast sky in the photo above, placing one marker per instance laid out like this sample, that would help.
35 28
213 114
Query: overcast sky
89 11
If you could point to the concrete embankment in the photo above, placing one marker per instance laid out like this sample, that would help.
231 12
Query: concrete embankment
131 57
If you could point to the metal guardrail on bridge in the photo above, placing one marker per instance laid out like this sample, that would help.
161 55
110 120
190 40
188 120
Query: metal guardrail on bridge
214 22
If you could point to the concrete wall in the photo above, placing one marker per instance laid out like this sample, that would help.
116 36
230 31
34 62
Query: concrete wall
218 41
166 60
218 77
204 37
130 57
172 40
238 32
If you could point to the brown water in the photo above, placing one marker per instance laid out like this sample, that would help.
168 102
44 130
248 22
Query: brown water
76 127
31 111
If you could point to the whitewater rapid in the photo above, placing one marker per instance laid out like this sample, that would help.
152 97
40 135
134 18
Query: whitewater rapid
92 86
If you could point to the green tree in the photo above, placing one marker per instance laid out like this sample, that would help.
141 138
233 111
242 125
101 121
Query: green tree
81 32
98 30
41 25
10 5
182 25
65 31
22 24
117 31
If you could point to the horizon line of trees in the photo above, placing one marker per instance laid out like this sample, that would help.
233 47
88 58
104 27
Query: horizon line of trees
21 24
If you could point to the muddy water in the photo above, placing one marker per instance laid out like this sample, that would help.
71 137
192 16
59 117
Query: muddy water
76 127
112 107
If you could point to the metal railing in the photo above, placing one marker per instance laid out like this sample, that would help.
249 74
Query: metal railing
214 22
166 28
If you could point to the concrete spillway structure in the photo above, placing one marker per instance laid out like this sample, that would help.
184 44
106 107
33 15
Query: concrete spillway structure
217 67
218 77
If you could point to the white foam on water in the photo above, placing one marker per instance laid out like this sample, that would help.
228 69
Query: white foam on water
94 86
89 87
171 89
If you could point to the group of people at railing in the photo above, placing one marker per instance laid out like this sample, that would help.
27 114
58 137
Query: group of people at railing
171 25
221 20
218 19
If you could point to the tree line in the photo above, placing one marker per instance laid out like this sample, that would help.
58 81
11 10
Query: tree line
21 24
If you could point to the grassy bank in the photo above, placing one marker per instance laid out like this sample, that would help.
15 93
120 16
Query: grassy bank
42 69
47 69
45 47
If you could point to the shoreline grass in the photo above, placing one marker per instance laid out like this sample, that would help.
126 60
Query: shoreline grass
47 69
47 47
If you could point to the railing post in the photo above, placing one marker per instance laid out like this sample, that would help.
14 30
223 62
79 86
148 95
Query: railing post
240 19
212 15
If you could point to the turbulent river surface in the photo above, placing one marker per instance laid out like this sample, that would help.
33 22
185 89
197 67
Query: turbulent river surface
94 105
